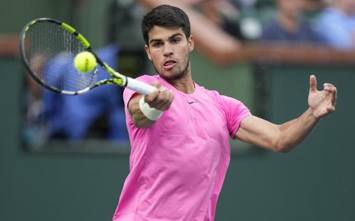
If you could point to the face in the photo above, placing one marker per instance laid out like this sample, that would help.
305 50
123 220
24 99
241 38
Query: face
347 5
291 8
169 50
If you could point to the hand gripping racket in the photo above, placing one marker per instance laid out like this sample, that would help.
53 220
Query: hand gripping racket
47 44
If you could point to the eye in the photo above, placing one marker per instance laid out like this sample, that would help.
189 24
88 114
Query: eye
157 44
175 40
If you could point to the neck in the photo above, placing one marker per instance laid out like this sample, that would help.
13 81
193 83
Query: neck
289 22
184 83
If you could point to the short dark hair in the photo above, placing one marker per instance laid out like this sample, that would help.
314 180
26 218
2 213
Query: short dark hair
165 16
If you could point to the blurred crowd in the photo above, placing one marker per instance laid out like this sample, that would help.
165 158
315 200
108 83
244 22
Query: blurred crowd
100 114
332 23
327 22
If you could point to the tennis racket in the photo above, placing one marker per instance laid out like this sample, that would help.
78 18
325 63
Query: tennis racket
46 44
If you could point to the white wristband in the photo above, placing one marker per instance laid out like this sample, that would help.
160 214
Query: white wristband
149 112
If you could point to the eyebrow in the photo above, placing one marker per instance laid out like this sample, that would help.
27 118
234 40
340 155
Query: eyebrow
171 37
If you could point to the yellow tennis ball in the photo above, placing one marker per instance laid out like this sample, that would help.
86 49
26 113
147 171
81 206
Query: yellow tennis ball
85 62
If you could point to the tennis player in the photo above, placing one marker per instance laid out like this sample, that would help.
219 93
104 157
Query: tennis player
180 133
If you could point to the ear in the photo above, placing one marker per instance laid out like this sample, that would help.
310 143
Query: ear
191 43
146 48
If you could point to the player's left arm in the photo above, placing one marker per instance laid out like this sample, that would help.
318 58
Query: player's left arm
284 137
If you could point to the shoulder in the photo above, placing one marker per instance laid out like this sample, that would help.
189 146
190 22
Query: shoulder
208 92
328 15
271 30
309 33
271 25
233 110
221 100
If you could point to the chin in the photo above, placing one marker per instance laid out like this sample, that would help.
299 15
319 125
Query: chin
171 76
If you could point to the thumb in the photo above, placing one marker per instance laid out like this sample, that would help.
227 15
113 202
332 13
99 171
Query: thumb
156 84
150 97
312 83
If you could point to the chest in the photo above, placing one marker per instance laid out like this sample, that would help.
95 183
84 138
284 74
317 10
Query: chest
197 117
191 134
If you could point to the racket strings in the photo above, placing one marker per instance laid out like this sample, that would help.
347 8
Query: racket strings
50 52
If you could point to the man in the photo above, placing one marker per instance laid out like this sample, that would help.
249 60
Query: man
179 134
337 24
289 26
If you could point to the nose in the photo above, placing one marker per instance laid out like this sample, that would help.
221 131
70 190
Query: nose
168 50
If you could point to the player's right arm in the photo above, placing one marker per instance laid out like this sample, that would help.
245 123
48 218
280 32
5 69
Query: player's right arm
160 100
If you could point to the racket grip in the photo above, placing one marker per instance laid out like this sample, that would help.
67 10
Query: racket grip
139 86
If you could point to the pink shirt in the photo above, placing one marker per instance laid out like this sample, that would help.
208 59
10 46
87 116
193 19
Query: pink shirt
178 165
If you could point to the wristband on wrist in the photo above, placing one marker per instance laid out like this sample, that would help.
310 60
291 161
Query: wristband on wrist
149 112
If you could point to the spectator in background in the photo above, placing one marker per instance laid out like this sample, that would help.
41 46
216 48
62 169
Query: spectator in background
97 114
337 24
314 6
223 13
289 26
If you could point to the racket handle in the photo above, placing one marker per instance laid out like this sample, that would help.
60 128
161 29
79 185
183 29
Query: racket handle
139 86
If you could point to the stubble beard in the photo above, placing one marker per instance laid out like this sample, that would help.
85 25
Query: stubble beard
180 75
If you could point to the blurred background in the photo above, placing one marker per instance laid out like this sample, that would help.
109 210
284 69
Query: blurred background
258 51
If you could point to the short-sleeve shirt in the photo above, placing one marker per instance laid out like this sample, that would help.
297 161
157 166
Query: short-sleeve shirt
273 31
178 164
337 28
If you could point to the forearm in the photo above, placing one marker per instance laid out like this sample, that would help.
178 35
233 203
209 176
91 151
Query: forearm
139 119
295 131
148 109
284 137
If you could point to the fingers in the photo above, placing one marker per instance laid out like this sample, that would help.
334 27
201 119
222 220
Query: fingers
329 87
312 83
330 109
332 91
160 99
163 99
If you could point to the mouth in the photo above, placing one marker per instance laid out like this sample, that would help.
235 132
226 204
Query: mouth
169 64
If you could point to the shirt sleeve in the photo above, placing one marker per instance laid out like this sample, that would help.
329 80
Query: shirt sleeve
235 111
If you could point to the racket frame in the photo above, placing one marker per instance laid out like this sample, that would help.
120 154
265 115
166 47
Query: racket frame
116 77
